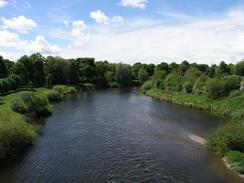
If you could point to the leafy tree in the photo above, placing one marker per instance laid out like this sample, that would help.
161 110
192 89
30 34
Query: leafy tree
223 69
74 76
215 88
20 70
3 68
232 82
123 74
142 75
174 82
199 85
184 66
240 68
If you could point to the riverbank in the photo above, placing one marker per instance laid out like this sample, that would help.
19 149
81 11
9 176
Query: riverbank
231 107
18 113
226 138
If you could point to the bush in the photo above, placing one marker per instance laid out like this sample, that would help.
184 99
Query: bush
173 82
187 87
147 85
28 102
53 96
15 133
199 86
236 161
215 88
231 83
227 137
240 68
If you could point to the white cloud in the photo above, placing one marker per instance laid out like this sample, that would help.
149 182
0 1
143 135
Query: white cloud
205 40
42 46
99 17
66 23
20 24
79 33
134 3
13 41
3 3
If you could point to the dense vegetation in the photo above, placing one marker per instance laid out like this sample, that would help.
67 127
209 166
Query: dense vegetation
215 88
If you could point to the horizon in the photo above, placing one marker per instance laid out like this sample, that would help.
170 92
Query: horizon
127 31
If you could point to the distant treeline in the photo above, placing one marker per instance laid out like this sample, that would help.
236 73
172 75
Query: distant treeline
37 71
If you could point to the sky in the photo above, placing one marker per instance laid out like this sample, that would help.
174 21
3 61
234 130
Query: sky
128 31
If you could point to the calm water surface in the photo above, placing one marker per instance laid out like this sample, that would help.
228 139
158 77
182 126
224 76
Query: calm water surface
119 135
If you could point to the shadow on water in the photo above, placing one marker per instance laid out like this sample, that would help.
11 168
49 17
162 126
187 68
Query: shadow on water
119 135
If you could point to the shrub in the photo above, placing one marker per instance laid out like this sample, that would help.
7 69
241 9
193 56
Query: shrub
187 87
231 83
227 137
147 85
53 96
28 102
199 86
236 161
240 68
215 88
173 82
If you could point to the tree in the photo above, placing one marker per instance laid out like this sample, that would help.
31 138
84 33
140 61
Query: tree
3 68
199 85
20 70
223 69
240 68
174 82
74 76
231 83
123 74
184 66
142 75
215 88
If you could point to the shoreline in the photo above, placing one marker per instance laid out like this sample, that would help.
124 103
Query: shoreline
203 141
198 103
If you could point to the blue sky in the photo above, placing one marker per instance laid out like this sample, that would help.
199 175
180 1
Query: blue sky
204 31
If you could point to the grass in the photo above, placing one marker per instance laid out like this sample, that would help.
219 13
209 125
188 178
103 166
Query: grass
227 140
236 161
232 106
16 131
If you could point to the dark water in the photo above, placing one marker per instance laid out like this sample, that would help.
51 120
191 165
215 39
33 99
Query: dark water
120 136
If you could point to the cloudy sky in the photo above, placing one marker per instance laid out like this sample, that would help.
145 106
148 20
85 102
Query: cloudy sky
203 31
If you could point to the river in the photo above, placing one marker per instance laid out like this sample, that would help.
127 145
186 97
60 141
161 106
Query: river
120 135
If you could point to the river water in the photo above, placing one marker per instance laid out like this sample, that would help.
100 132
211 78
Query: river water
120 135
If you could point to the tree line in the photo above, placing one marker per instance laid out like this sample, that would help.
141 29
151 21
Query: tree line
36 71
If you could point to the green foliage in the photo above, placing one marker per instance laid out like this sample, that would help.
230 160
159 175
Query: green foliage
142 75
231 82
199 86
147 85
240 68
236 161
227 137
174 82
29 102
3 68
15 133
215 88
184 66
53 96
123 74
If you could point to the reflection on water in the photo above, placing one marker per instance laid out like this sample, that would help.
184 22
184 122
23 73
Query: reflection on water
119 135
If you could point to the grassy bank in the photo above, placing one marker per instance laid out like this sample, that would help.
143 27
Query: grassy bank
232 106
18 112
227 140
